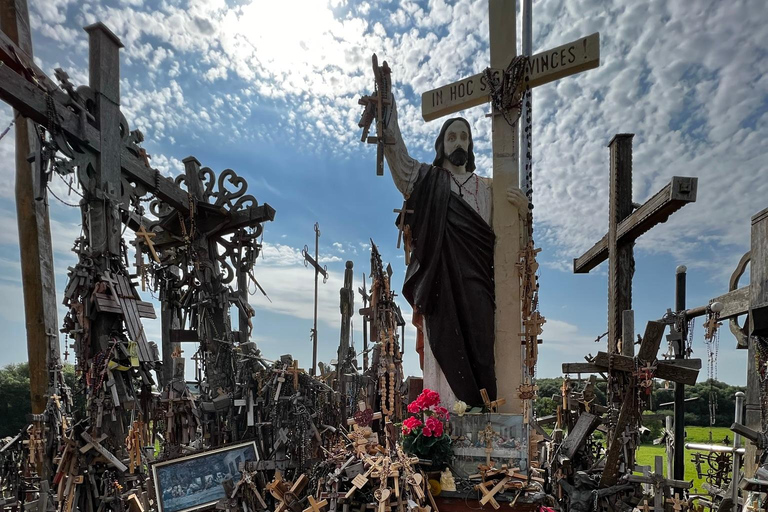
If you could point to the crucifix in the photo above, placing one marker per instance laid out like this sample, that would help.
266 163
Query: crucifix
541 68
318 271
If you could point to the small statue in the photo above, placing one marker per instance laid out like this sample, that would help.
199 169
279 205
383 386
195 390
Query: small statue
447 483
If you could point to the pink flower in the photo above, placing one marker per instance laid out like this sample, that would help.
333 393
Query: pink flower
429 398
442 412
411 423
414 407
434 426
427 432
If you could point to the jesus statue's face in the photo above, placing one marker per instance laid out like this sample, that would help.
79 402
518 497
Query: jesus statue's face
456 143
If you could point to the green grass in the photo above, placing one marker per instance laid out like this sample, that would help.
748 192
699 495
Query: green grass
647 453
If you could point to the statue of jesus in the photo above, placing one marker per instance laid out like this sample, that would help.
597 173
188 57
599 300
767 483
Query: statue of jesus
449 280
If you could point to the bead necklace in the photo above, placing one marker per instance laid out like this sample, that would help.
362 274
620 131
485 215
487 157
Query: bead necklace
462 189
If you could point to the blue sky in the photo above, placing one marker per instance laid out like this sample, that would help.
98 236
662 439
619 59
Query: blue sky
270 90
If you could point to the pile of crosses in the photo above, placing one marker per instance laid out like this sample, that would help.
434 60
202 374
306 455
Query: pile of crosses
500 480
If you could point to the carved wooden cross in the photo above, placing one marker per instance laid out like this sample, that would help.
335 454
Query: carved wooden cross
544 67
624 227
677 503
145 237
363 417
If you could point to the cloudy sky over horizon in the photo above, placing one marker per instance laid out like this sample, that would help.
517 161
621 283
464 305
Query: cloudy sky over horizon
270 90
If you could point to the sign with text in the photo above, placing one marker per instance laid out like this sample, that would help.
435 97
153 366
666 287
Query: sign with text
545 67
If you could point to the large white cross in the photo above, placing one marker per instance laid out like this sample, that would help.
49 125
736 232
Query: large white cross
545 67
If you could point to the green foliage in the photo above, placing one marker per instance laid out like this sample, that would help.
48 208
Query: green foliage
437 449
15 402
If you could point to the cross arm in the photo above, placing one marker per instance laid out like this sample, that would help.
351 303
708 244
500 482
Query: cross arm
656 210
18 60
30 101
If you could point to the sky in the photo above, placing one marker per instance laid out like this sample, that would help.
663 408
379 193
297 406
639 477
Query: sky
270 89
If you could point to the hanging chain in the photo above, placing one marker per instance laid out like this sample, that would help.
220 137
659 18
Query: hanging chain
503 90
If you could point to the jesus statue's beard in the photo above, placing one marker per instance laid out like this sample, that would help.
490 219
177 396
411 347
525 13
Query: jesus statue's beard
458 157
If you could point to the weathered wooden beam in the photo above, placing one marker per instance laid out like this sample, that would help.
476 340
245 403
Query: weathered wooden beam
30 100
37 272
676 194
10 51
611 469
569 368
585 425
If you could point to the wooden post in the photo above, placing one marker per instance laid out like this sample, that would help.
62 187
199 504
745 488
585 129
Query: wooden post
37 275
507 222
621 260
679 456
758 295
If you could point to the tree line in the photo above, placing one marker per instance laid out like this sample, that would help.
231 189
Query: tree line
697 412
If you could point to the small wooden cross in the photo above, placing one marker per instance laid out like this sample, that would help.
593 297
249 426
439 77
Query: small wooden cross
363 417
492 406
401 222
147 240
646 506
295 370
315 506
488 496
677 503
711 326
280 380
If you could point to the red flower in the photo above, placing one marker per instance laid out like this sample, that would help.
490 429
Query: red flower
426 432
414 407
442 412
434 426
410 424
429 398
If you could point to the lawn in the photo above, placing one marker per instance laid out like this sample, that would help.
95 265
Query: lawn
646 453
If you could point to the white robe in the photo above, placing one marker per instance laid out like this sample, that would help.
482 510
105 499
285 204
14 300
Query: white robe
476 192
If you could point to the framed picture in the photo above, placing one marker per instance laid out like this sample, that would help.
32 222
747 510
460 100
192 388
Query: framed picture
194 482
507 443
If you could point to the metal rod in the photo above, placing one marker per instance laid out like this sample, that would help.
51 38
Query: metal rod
738 454
716 448
679 457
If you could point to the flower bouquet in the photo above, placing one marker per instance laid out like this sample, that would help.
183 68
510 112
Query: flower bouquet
424 434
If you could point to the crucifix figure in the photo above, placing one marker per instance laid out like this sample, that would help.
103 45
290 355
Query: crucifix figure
465 229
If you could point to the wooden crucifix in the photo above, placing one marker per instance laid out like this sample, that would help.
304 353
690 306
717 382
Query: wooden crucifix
624 227
508 223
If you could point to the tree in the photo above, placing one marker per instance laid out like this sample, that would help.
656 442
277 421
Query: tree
15 402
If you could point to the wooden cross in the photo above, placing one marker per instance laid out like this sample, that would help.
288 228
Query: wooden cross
488 434
376 107
625 226
402 212
315 506
543 67
145 237
96 444
677 503
294 370
488 495
363 417
492 406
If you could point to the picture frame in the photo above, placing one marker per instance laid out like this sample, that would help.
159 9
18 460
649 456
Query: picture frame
195 481
508 445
